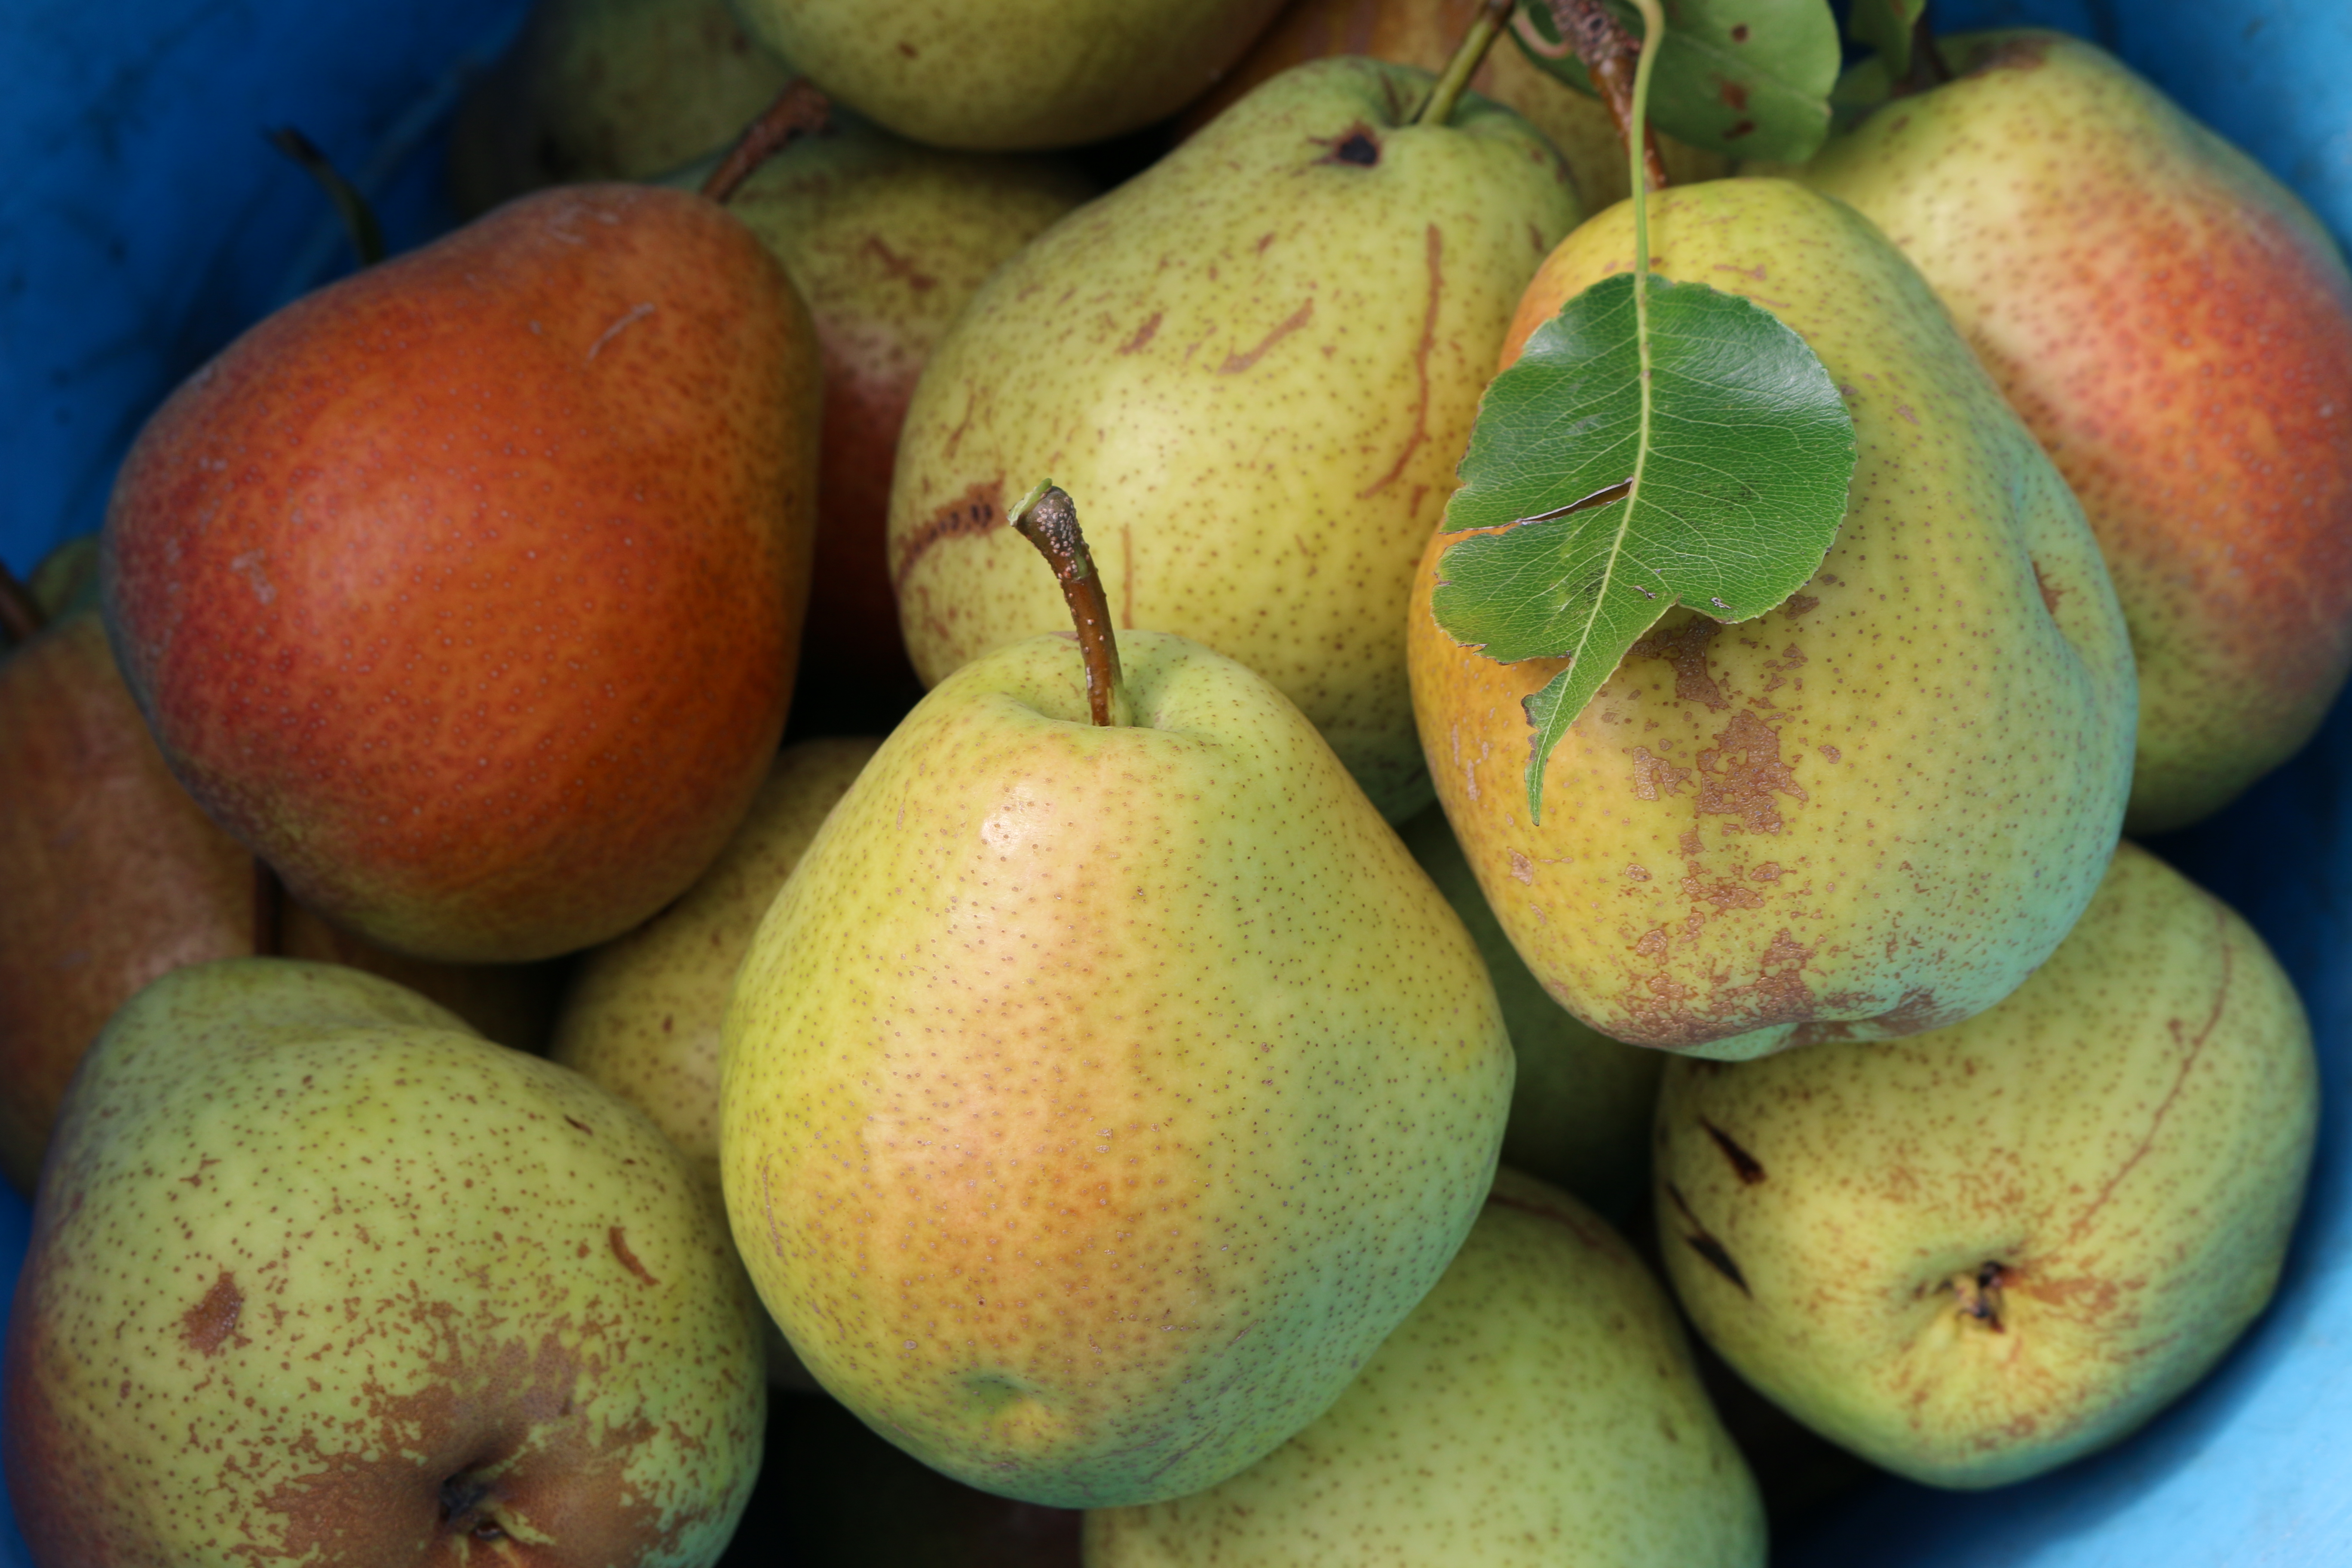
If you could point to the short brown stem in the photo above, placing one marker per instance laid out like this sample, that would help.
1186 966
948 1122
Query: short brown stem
799 111
358 218
268 910
1048 519
1610 56
20 613
1469 56
1928 68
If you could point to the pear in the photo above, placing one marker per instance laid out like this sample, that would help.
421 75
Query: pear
1580 1102
2176 328
1423 33
1538 1409
1263 356
1009 75
1870 812
1096 1099
607 89
1974 1256
316 1273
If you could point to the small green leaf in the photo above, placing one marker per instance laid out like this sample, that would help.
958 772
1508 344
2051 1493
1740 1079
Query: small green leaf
1886 25
1749 77
1707 465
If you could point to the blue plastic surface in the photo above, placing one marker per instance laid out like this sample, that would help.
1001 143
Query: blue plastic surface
144 221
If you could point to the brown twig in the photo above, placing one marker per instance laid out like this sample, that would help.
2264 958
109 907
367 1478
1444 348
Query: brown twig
1927 68
20 613
358 218
799 111
1469 56
1611 55
1048 519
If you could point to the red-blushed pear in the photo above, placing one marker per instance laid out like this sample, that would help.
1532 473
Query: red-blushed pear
2176 328
467 592
319 1275
115 876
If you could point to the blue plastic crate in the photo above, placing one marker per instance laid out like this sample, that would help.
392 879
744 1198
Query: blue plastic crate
143 222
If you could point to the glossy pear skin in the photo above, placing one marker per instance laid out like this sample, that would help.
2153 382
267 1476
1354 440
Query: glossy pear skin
1255 364
1870 812
466 591
1424 33
1976 1255
1538 1409
2176 328
1096 1099
317 1270
1009 75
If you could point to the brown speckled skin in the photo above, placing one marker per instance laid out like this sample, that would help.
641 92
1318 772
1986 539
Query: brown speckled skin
114 876
1425 32
306 1250
1253 367
2177 328
1011 75
1538 1409
466 591
1869 812
1094 1100
2126 1138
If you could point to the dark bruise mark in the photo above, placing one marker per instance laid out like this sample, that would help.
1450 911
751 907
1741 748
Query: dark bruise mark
628 1259
897 266
1746 1165
1685 648
1744 128
1583 1232
970 515
1979 1294
1357 145
2051 593
2011 54
1739 774
1799 606
1436 250
212 1322
906 49
581 1125
1699 1240
1733 93
1143 334
1236 363
1653 776
1740 34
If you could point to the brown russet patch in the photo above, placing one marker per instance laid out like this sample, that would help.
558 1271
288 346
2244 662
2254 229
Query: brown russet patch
212 1322
1684 648
1740 773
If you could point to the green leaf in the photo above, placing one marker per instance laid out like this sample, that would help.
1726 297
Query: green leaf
1886 25
1705 465
1749 77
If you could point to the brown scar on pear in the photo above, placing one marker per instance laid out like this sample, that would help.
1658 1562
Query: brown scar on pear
980 508
1699 1239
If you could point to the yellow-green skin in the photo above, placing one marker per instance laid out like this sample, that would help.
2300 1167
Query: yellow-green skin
1870 812
1580 1102
1009 75
1977 1255
1538 1410
315 1268
2176 327
1252 367
1095 1100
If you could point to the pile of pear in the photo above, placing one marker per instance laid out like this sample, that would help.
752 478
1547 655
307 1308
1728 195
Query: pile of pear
1218 1120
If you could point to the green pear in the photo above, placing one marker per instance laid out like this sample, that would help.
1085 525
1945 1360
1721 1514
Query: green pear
318 1274
607 89
1580 1102
1977 1255
1096 1099
1870 812
1263 355
1538 1409
1009 75
2176 328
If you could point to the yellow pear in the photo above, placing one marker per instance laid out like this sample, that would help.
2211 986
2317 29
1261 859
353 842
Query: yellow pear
1540 1409
1261 357
1095 1099
1976 1255
1870 812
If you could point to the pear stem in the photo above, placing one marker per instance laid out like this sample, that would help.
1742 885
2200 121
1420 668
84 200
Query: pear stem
1469 56
799 111
20 613
268 910
358 218
1048 519
1928 67
1611 56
